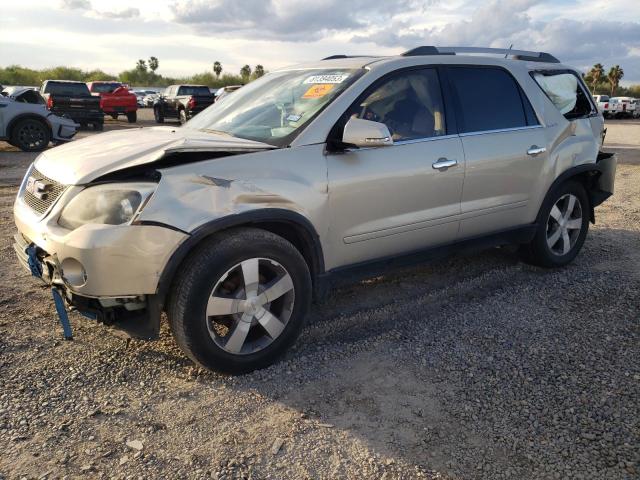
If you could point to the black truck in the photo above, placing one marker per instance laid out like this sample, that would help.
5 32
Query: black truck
73 100
182 102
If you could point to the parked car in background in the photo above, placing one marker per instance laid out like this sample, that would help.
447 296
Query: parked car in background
26 123
623 107
338 168
140 98
182 102
150 99
604 105
73 100
115 99
224 91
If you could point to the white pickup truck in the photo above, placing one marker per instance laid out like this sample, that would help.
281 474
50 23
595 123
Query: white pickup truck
624 107
605 106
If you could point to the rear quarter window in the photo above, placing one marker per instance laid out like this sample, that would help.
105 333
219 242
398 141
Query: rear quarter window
565 91
489 99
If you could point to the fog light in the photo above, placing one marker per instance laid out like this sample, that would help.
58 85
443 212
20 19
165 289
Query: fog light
73 272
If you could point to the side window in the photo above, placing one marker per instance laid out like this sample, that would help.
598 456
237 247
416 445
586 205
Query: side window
409 104
566 93
489 99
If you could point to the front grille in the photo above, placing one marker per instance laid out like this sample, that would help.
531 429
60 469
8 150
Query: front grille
52 191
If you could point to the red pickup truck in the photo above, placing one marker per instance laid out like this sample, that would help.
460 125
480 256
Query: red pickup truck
115 99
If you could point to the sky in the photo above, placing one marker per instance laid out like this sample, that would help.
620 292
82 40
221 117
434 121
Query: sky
189 35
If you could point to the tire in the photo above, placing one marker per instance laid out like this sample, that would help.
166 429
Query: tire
31 135
158 116
182 116
216 269
98 126
550 247
114 116
132 117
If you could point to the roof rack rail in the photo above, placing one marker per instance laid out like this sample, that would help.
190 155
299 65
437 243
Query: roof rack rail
515 54
335 57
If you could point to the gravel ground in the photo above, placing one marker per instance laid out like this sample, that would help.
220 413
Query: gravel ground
478 367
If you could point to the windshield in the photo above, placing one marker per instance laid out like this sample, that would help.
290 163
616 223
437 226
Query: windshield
104 87
193 90
276 107
64 88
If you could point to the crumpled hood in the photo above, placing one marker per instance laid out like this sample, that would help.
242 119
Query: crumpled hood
81 161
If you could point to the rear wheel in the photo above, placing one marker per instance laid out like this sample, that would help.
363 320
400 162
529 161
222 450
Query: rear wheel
98 126
240 300
132 117
114 116
158 115
563 224
30 135
182 115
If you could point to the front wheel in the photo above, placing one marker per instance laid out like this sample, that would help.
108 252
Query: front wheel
563 223
30 135
132 117
240 300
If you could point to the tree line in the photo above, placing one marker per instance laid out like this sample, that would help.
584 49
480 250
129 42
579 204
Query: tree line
602 82
142 75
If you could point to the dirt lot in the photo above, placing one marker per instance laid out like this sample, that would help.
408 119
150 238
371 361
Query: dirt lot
476 367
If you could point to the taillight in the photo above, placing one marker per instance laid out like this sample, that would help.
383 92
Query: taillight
192 102
49 103
606 106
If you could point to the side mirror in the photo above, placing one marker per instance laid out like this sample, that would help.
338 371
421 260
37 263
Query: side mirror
365 133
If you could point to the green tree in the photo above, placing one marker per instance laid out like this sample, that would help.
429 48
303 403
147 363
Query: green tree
245 72
258 71
217 68
595 74
615 75
141 65
153 64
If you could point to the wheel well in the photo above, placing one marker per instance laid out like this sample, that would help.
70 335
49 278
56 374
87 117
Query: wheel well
305 241
588 177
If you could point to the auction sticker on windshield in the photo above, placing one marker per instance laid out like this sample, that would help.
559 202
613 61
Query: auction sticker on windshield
317 91
333 78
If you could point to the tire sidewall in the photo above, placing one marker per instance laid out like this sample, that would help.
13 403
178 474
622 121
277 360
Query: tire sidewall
206 273
547 257
182 115
26 148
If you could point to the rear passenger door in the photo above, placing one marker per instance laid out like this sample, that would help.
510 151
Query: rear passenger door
504 146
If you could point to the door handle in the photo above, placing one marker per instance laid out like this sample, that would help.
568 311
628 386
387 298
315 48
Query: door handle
443 164
535 150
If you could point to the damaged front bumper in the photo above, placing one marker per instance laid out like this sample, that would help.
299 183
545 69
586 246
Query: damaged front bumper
106 272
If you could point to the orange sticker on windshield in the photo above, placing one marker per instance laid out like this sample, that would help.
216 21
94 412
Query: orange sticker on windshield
317 91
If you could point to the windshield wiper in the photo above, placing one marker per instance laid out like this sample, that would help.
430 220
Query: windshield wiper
221 132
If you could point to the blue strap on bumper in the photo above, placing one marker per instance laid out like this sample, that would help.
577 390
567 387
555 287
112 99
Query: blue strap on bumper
34 264
62 314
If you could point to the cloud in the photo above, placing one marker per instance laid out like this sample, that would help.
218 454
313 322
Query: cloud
130 12
292 20
75 4
87 7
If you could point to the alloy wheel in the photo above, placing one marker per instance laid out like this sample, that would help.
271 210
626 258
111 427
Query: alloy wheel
250 306
564 224
32 135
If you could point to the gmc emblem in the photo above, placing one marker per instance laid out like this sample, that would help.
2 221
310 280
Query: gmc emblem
38 188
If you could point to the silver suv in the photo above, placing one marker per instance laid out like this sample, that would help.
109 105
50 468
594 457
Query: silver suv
232 223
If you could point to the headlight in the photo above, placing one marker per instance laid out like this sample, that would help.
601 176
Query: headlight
108 204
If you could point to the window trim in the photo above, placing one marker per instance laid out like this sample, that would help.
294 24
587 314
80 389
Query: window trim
450 123
594 108
523 98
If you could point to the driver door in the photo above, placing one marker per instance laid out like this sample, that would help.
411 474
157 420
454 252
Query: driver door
386 201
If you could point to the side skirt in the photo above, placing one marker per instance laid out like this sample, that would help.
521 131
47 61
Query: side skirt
361 271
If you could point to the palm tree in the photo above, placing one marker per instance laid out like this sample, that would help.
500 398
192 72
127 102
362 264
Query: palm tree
615 75
217 68
596 73
258 71
141 65
153 64
245 72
